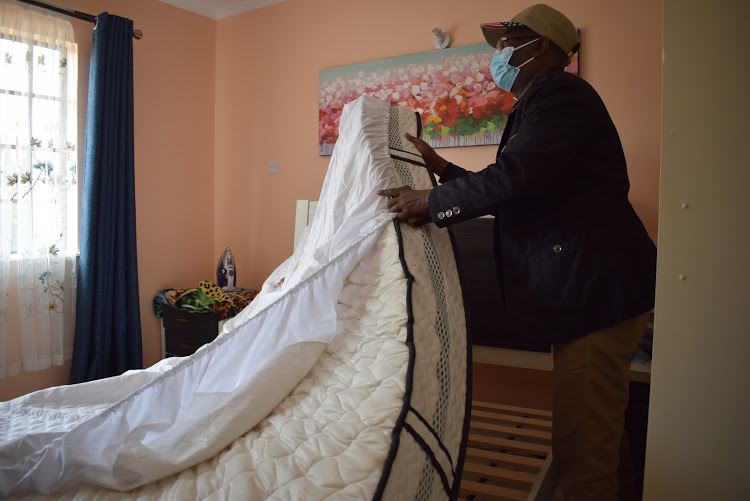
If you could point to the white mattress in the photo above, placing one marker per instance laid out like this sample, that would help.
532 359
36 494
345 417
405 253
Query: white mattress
382 413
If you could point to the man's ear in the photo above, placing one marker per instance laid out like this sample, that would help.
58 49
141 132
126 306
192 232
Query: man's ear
542 47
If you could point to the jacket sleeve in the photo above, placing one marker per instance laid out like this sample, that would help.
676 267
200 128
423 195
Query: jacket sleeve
553 128
452 171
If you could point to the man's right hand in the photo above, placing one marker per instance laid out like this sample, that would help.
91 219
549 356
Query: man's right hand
432 159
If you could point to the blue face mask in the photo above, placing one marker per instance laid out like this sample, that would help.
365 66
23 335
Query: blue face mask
502 72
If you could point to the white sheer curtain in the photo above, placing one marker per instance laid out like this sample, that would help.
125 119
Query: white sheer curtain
38 190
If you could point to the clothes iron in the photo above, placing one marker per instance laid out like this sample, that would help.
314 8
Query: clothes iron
226 274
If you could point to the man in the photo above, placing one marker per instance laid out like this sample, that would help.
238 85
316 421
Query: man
576 267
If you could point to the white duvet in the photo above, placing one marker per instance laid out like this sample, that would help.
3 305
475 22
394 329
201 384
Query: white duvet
327 346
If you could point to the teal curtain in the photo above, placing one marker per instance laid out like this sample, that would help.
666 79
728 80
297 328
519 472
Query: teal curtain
108 326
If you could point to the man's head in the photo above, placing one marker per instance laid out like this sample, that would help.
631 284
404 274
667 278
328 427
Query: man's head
557 41
541 19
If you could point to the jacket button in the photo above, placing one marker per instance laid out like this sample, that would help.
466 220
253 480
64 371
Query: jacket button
457 210
441 215
448 213
557 248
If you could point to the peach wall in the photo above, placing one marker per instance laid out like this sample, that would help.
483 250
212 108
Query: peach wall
267 64
216 100
174 143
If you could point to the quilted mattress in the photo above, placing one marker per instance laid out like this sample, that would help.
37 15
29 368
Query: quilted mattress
361 394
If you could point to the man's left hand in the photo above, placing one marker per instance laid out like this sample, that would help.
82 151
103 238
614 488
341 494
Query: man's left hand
407 203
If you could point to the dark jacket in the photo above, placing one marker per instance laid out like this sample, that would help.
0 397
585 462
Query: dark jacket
572 255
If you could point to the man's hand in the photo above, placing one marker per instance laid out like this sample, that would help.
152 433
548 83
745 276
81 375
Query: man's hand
410 205
432 159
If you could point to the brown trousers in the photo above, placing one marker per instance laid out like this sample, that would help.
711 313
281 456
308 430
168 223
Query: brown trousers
591 378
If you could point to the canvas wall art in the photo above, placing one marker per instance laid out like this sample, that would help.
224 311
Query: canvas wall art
451 89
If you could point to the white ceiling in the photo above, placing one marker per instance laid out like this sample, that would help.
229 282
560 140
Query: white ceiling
217 9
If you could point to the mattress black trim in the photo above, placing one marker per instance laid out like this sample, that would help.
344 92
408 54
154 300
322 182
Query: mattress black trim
406 156
459 467
469 370
407 160
435 435
401 424
401 421
435 464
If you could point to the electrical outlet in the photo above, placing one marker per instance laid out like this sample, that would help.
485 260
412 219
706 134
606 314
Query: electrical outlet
273 167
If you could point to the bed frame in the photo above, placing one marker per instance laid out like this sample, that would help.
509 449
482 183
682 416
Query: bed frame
509 454
304 214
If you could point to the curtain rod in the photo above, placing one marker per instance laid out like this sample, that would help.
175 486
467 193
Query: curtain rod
137 34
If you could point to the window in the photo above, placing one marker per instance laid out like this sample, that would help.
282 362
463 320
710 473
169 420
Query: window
38 134
39 216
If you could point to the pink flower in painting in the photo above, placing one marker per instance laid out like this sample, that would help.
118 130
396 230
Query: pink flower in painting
483 93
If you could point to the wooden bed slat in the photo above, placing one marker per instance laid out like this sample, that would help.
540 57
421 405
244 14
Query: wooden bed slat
500 474
497 492
504 458
510 418
511 408
512 431
508 453
504 443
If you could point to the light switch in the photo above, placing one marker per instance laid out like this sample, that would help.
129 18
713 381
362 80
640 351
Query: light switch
273 167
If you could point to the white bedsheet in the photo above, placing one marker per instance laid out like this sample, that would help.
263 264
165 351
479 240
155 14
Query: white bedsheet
129 431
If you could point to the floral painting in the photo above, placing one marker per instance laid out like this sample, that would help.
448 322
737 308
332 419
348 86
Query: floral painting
451 89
